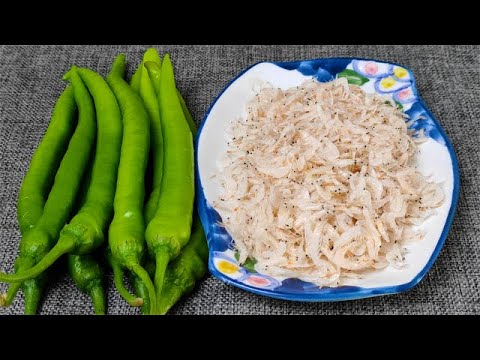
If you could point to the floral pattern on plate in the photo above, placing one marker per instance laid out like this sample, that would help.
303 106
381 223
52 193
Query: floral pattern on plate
227 264
385 79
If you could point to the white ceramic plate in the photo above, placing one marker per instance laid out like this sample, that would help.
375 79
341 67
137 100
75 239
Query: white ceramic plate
437 159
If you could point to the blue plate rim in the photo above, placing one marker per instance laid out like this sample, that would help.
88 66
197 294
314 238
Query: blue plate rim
352 293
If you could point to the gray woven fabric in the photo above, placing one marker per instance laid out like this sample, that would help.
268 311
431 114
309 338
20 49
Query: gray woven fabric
448 81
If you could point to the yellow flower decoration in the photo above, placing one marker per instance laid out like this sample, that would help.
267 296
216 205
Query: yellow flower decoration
400 72
387 83
227 267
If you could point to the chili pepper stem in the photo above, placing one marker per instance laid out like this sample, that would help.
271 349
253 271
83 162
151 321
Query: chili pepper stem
9 295
141 291
162 259
65 244
7 299
32 299
118 282
13 289
143 275
97 294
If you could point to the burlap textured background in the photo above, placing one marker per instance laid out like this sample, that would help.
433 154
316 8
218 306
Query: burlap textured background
448 81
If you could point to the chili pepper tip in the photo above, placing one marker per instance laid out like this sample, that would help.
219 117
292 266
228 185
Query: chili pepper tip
66 76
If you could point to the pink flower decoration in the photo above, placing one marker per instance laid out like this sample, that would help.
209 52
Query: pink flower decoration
405 94
371 68
257 281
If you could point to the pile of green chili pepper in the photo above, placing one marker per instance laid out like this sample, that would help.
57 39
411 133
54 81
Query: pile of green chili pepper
111 184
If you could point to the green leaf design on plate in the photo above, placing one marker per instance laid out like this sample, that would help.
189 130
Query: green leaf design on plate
353 77
399 105
249 264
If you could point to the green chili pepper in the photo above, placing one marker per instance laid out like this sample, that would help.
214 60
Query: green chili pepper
140 288
88 276
118 273
154 72
85 232
126 234
38 181
140 82
38 242
169 230
191 265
